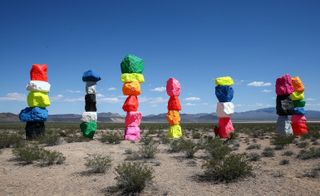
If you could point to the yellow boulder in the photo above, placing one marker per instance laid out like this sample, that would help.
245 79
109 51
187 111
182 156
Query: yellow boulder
175 132
224 81
132 77
38 99
295 96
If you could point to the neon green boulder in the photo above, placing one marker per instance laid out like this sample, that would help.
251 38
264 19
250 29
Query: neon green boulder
175 132
88 128
38 99
132 64
224 81
295 96
132 77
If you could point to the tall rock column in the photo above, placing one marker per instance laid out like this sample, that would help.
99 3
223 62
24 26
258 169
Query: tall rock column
225 108
36 114
173 116
284 104
298 119
132 68
89 117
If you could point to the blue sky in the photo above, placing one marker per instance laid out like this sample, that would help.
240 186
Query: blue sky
194 41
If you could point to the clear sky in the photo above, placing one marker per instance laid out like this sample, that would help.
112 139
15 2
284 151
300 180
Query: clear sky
194 41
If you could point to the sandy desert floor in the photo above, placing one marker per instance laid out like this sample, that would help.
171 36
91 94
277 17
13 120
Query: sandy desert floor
173 173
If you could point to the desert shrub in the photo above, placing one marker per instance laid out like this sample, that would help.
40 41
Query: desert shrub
288 153
111 138
312 153
216 149
284 162
27 154
254 156
175 146
164 139
228 169
148 151
98 163
268 152
196 134
8 140
132 177
254 146
313 133
31 153
146 140
49 139
302 144
314 143
189 148
51 157
133 156
282 140
313 173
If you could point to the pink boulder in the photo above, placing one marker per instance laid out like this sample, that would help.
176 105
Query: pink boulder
284 85
173 87
133 119
132 133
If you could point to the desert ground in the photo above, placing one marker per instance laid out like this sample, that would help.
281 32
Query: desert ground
174 174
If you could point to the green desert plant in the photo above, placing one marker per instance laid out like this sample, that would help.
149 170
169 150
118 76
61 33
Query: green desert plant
254 156
98 163
284 162
268 152
175 146
288 153
313 173
132 177
49 139
228 169
111 138
30 153
282 140
189 148
302 144
8 140
312 153
254 146
216 149
149 150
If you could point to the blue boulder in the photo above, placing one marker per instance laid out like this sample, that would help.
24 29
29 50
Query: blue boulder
33 114
299 111
90 76
224 93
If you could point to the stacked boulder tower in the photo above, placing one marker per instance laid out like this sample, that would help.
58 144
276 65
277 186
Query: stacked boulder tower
132 68
290 101
89 117
36 113
298 119
225 108
284 104
173 88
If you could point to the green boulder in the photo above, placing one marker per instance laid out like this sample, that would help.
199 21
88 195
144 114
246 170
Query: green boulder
88 128
132 64
299 103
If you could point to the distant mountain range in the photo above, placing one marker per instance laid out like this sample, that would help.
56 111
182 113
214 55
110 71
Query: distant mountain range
265 114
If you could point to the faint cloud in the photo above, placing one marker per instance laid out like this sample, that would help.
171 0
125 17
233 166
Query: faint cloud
14 96
112 89
56 97
192 99
152 100
158 89
99 95
190 104
109 100
72 100
239 82
73 91
259 84
266 91
310 99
